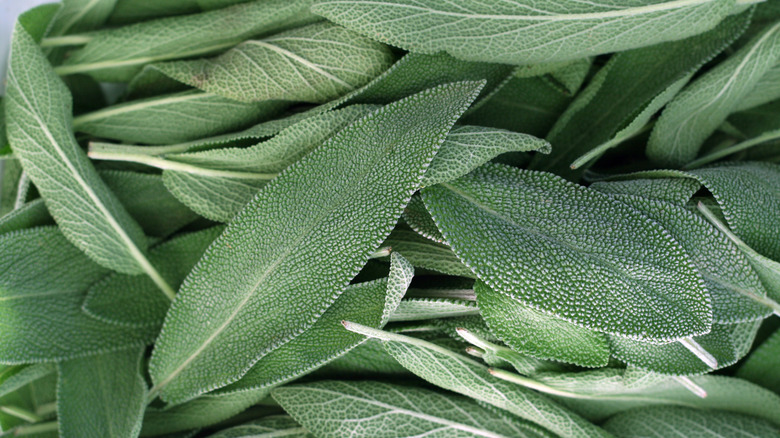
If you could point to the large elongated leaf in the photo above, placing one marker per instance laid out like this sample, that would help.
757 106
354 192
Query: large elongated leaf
666 421
340 200
39 113
376 409
762 364
625 86
703 105
101 396
452 371
174 118
44 282
80 15
371 303
117 54
524 32
571 252
316 63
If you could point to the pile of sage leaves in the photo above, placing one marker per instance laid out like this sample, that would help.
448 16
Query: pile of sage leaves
394 218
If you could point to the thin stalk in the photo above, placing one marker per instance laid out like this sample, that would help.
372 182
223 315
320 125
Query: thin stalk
21 190
46 409
164 164
34 429
699 352
601 149
691 386
66 40
20 413
739 147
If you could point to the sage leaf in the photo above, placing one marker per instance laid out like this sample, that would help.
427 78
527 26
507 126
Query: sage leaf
215 198
366 359
102 395
173 118
38 108
673 190
42 289
454 372
29 215
524 32
632 82
537 334
18 376
115 55
703 105
376 409
766 90
424 253
506 224
760 366
353 189
315 63
201 412
80 15
132 301
418 219
415 309
372 303
267 427
666 421
468 147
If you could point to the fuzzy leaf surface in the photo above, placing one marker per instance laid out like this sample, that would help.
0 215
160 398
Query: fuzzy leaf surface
666 421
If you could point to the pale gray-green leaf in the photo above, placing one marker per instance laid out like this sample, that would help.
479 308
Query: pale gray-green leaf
524 32
703 105
44 283
38 107
80 15
117 54
540 335
762 364
571 252
375 409
424 253
766 90
415 309
31 214
675 190
17 376
315 63
267 427
101 396
417 217
331 209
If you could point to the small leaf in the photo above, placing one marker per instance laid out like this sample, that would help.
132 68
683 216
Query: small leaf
101 396
115 55
343 200
523 32
426 254
266 427
29 215
571 252
417 217
537 334
679 421
315 63
376 409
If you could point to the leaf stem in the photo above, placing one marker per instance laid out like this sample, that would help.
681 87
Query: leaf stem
21 190
739 147
164 164
66 40
699 352
51 426
691 386
601 149
20 413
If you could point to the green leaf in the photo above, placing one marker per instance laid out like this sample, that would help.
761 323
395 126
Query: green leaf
267 427
667 421
18 376
102 395
571 252
524 32
735 289
341 200
371 303
540 335
704 104
80 15
468 147
766 90
376 409
424 253
725 344
29 215
762 364
38 108
632 85
368 358
674 190
115 55
42 289
219 197
148 201
315 63
415 309
173 118
454 372
201 412
133 301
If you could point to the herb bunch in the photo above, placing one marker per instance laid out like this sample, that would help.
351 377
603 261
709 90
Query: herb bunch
327 218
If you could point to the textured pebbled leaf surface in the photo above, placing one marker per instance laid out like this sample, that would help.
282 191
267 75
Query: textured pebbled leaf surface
524 32
571 252
315 63
424 253
537 334
38 106
267 427
44 282
341 200
376 409
101 396
762 364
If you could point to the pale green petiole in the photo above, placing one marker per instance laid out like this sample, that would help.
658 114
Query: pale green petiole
699 352
725 152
